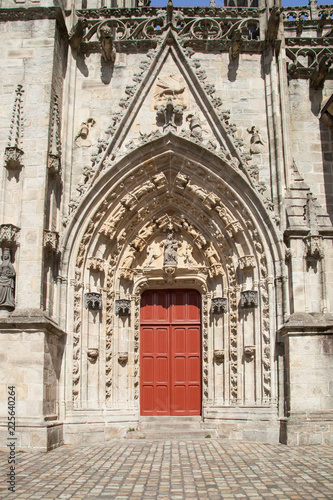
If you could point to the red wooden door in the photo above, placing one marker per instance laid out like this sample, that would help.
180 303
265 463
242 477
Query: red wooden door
170 353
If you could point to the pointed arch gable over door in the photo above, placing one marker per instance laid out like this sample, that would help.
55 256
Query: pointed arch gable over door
170 352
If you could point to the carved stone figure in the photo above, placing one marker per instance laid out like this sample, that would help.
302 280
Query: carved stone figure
82 137
106 40
7 280
195 126
211 255
256 141
187 254
170 250
129 258
169 115
152 254
171 85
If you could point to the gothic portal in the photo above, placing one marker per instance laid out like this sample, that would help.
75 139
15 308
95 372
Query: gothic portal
166 219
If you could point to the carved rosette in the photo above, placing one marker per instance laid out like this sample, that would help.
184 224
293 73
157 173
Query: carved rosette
9 235
219 305
246 262
123 307
51 242
249 298
93 301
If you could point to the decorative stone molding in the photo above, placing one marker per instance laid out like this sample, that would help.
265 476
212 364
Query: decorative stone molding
219 356
219 305
9 235
123 307
249 298
92 354
200 29
122 358
51 241
13 151
249 352
93 301
246 262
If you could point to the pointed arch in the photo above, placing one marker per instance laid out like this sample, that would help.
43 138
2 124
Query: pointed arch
171 184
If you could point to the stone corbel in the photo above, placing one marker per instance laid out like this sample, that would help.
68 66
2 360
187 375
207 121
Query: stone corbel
9 235
249 352
123 307
219 305
93 301
53 164
92 354
95 264
219 356
13 158
246 262
313 246
122 358
51 242
249 298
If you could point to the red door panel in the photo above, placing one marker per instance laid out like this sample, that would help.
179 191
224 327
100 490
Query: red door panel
170 353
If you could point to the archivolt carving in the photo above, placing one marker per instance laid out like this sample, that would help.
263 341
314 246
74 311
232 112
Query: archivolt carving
138 208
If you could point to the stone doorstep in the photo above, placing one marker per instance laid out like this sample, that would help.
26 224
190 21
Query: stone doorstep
173 427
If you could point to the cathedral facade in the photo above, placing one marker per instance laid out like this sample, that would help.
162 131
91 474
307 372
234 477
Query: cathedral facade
166 219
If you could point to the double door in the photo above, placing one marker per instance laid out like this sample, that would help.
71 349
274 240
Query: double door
170 356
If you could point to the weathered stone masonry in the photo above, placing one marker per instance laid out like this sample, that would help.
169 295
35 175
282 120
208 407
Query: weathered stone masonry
166 148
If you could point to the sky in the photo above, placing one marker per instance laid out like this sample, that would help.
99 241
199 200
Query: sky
220 3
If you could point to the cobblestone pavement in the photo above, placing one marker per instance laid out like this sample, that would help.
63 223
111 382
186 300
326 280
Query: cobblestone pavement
153 469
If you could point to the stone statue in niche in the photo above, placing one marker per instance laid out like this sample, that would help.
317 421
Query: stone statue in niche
7 280
170 249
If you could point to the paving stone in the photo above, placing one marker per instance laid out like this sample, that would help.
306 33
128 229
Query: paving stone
164 470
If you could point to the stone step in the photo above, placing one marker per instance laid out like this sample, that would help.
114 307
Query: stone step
180 435
178 428
159 423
